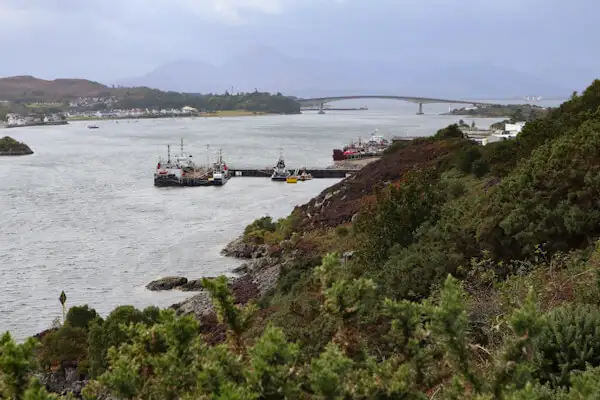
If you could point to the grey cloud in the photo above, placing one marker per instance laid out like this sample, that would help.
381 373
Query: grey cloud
109 39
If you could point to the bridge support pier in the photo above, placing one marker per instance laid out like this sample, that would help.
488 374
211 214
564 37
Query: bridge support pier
420 112
321 108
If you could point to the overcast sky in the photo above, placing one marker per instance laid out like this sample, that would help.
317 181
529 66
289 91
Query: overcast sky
110 39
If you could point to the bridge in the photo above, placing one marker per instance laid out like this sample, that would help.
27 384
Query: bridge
321 101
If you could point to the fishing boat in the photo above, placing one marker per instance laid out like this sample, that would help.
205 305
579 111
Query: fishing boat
374 147
280 173
220 172
303 175
93 126
180 170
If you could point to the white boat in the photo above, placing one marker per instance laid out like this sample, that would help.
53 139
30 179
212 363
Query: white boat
303 175
220 172
280 173
94 126
180 170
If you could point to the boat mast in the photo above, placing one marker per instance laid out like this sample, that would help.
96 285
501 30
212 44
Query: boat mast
182 147
168 153
207 156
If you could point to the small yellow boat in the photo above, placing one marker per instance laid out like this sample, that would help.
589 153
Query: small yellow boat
292 178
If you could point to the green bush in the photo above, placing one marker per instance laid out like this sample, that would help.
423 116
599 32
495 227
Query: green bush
569 342
480 168
467 157
341 231
262 224
113 332
396 214
456 189
500 156
66 346
449 132
81 317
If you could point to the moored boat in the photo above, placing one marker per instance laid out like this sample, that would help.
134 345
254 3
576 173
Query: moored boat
280 173
374 147
303 175
293 178
180 170
220 172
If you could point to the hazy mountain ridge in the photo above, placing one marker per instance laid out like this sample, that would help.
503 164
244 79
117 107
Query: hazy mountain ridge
24 85
269 70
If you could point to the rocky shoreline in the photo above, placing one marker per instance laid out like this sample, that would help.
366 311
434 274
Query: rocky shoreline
256 276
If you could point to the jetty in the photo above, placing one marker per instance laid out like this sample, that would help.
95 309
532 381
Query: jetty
318 173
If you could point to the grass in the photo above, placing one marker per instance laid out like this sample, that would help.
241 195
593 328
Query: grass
231 113
43 105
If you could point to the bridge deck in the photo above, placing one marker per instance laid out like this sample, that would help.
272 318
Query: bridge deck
411 99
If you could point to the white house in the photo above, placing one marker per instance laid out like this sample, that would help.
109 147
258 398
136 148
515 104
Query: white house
15 119
497 137
189 110
514 128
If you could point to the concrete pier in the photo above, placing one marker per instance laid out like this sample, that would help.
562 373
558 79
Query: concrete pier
316 173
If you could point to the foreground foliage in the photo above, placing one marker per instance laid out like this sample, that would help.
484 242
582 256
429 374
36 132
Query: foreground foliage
433 350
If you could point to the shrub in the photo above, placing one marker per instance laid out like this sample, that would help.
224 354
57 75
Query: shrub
80 317
64 347
451 131
112 332
262 224
480 168
568 342
341 231
501 156
467 157
456 189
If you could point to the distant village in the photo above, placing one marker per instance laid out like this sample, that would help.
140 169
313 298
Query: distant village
79 109
132 113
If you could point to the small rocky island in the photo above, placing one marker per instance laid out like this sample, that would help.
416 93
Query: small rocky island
12 147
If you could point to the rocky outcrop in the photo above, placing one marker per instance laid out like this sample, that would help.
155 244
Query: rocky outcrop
63 382
244 288
167 283
258 275
193 285
12 147
240 249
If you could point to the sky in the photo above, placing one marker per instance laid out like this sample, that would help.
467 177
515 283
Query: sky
106 40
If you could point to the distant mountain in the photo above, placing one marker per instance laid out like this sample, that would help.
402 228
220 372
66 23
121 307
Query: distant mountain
267 69
26 86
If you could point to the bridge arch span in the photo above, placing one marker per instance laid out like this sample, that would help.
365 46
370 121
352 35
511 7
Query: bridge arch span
321 101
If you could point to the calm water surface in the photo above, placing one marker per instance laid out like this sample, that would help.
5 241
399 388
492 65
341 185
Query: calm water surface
82 214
